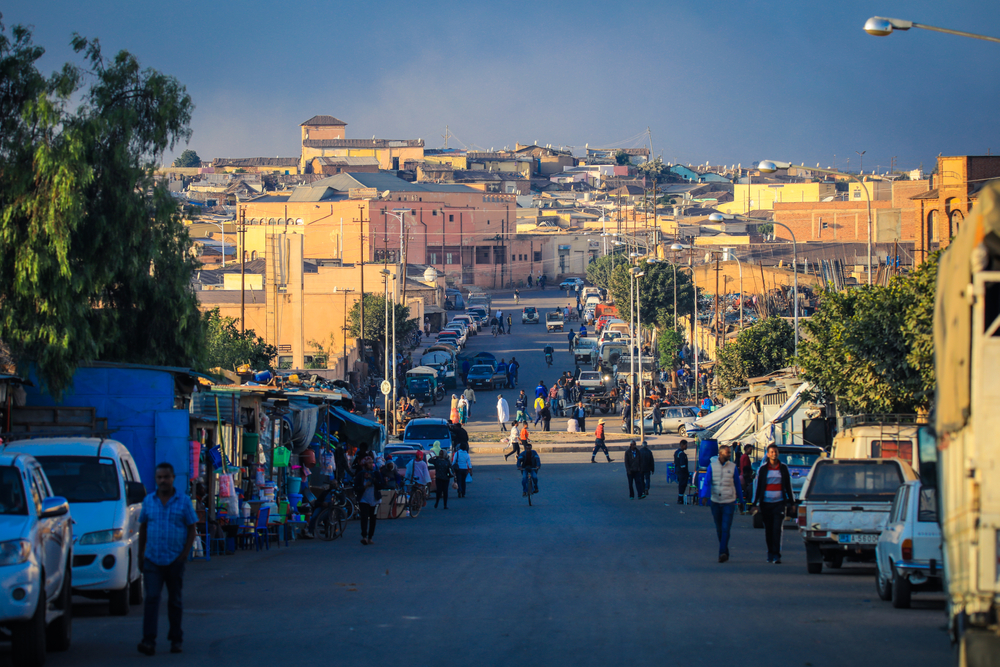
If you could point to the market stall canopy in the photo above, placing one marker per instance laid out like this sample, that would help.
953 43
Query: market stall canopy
739 424
305 418
715 419
422 370
765 435
356 430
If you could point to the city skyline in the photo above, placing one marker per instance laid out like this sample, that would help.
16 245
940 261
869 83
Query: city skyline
777 80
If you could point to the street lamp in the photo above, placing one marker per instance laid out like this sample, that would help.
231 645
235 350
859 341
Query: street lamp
719 217
771 166
677 247
222 241
636 352
880 26
385 349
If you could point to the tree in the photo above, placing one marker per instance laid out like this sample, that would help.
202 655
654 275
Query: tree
375 329
668 343
94 260
763 348
871 348
226 347
656 297
599 270
187 159
654 169
622 158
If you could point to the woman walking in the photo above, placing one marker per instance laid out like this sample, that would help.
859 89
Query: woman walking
503 412
463 467
454 409
442 478
463 410
368 485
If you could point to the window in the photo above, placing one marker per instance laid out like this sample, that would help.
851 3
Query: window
12 499
451 218
434 212
826 225
448 258
927 507
538 255
432 257
892 449
82 479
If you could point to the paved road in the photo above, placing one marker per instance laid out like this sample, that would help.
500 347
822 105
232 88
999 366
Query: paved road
585 577
526 344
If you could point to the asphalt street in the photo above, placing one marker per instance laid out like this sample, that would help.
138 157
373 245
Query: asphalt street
584 577
526 343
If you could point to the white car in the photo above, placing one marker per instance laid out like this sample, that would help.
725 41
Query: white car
451 337
460 329
101 482
36 554
469 322
571 284
908 553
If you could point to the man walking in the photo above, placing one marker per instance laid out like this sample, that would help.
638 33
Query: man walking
774 492
580 413
522 408
166 534
681 470
546 414
723 484
647 466
503 412
657 419
470 398
512 368
632 471
538 405
599 444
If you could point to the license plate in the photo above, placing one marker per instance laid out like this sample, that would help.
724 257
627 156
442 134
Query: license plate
857 538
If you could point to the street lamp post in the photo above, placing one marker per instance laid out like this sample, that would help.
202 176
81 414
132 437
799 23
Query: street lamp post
222 242
771 166
881 26
637 386
719 217
385 345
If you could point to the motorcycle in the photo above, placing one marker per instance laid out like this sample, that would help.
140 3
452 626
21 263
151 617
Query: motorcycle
548 358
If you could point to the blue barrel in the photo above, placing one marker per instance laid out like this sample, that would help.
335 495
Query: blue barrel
706 450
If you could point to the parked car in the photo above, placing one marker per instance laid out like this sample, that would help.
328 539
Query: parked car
908 554
553 321
470 322
422 433
590 382
449 336
584 349
101 481
461 330
36 556
486 375
480 312
844 506
529 315
571 284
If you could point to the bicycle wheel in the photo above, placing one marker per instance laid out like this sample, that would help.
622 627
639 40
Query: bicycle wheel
529 492
349 509
325 525
416 502
398 506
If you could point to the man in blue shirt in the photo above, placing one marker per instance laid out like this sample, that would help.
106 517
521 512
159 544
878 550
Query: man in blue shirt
166 534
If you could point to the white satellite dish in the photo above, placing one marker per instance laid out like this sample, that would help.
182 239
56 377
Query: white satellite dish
385 195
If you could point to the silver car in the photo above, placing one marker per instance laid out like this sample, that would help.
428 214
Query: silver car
674 419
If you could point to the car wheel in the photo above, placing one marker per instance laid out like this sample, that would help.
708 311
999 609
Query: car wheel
901 590
28 637
836 561
883 585
60 631
118 602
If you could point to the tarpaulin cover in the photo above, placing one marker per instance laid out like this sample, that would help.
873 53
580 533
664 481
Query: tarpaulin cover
953 314
739 424
305 419
765 436
355 430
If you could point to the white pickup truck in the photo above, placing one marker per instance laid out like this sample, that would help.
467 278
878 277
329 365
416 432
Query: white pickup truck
843 507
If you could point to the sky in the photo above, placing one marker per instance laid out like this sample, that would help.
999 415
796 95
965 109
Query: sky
725 82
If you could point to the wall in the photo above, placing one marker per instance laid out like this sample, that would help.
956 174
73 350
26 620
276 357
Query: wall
765 195
836 221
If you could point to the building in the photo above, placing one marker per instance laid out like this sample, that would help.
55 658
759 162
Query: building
337 165
764 195
325 136
954 190
256 165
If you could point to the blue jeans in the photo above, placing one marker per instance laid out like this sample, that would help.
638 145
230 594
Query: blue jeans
154 576
534 480
646 479
723 515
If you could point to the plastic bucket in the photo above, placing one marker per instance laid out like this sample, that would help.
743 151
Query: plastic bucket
294 484
282 455
250 442
294 499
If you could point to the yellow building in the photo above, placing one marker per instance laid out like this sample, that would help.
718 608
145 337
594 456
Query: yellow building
762 196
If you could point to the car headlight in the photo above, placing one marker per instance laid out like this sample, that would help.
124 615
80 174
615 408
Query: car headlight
14 552
103 537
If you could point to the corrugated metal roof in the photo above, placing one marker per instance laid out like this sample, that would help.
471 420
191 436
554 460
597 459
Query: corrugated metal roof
319 121
309 193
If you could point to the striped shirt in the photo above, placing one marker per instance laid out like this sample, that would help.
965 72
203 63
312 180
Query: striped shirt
772 490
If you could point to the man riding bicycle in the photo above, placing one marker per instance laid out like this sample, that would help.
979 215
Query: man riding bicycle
548 354
528 463
517 296
571 335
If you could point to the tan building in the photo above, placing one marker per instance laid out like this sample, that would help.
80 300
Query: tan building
763 196
257 165
324 136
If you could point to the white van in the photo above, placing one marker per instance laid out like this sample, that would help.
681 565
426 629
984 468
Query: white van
864 439
101 482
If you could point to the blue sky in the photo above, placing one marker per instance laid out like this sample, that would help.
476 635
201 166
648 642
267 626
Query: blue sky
725 82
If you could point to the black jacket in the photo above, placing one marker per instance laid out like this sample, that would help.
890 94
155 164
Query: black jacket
459 436
646 463
681 464
442 468
633 460
359 484
787 494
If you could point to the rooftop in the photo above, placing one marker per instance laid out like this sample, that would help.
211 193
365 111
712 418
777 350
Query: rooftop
255 162
363 143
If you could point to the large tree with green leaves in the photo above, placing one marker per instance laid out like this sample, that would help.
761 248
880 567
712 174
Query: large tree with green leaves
94 260
187 159
763 348
375 325
656 292
871 348
227 347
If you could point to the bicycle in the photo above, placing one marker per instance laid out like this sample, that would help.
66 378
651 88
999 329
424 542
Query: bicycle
531 483
412 500
330 523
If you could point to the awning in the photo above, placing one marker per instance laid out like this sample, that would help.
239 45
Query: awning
739 424
716 419
765 436
422 370
355 430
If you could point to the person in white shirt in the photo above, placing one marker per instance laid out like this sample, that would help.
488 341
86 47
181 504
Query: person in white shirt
416 470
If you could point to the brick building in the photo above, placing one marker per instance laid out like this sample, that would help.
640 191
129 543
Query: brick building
954 191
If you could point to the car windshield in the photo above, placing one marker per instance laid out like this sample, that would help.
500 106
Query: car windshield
481 370
855 480
589 377
81 479
427 432
12 500
403 460
927 509
798 459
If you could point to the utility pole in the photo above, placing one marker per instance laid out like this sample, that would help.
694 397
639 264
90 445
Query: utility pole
361 247
447 135
718 328
243 266
345 329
